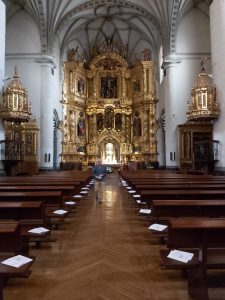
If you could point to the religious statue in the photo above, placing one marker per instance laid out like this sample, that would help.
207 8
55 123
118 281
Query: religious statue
147 54
81 125
72 54
100 122
80 86
118 122
108 87
137 86
137 125
109 118
28 144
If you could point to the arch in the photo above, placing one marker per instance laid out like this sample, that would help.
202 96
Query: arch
106 139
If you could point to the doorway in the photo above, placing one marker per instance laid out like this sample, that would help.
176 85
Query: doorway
109 152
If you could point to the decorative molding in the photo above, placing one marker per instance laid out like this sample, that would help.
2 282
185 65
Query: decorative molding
39 58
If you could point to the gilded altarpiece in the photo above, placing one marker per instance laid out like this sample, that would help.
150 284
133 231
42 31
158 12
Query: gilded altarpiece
109 110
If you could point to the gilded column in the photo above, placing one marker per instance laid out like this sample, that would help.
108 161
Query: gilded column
123 84
95 85
128 128
145 81
95 132
152 87
152 130
123 131
146 124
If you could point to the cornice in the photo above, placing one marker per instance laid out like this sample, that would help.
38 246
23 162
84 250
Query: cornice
37 57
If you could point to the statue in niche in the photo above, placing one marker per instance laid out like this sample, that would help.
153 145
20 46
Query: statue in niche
28 144
80 86
81 125
137 86
137 125
108 87
17 136
118 122
100 123
109 118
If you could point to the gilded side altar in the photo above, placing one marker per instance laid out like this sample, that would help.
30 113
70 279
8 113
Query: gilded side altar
109 110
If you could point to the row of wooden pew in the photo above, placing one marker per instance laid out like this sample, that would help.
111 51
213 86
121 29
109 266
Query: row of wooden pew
193 209
31 202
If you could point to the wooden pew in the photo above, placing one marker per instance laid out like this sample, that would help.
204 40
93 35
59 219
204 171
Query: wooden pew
49 197
30 214
11 243
19 210
7 272
65 189
187 208
150 195
204 238
10 237
182 186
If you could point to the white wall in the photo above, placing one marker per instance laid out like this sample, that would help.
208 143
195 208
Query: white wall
2 60
217 26
2 43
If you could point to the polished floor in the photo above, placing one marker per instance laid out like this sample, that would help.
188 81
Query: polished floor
104 252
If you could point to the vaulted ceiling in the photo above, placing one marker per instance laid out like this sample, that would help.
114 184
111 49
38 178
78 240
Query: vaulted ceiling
133 25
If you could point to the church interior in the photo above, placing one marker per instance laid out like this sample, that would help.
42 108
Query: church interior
139 87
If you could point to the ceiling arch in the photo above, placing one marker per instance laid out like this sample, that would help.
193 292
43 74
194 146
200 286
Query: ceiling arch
137 24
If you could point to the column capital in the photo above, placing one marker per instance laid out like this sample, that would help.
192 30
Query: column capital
170 61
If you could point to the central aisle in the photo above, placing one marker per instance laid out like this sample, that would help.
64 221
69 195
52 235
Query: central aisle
105 252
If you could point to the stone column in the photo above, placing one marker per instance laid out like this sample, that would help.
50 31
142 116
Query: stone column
217 26
48 97
171 108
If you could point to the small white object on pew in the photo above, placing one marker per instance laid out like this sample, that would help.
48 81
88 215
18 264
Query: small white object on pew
85 188
70 202
17 261
60 212
145 211
77 196
38 230
158 227
132 192
182 256
137 196
129 188
140 202
84 192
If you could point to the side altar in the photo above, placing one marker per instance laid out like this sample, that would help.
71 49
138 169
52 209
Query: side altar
109 110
